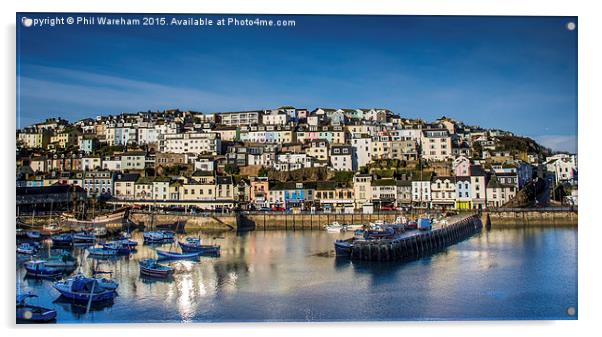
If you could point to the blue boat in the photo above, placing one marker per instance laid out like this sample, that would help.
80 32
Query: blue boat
158 237
343 247
26 248
102 251
27 313
176 256
84 237
119 247
62 239
151 267
39 268
81 288
193 245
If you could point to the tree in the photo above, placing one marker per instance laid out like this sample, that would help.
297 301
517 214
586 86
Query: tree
231 169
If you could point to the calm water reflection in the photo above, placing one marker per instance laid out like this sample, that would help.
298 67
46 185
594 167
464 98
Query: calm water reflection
277 275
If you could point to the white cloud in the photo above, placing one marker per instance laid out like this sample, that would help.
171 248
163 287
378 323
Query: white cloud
559 142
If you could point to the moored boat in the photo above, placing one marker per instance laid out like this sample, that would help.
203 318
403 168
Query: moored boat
84 236
335 227
107 283
119 247
33 235
38 268
176 256
193 245
100 232
26 248
102 251
51 229
81 288
151 267
62 239
27 313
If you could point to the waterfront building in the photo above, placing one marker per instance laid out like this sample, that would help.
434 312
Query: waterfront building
98 183
478 183
384 193
124 186
499 194
362 189
421 191
260 189
443 192
463 196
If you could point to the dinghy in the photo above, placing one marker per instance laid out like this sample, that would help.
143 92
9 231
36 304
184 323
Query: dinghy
176 256
27 313
38 268
151 267
81 288
26 248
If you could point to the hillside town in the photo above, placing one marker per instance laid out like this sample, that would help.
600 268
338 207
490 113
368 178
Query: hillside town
285 159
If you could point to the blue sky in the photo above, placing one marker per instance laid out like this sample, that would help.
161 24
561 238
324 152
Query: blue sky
513 73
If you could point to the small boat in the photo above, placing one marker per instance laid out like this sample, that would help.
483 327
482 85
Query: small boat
386 233
62 239
102 251
151 267
343 247
84 236
104 282
81 288
39 268
33 235
26 248
127 242
119 247
50 229
174 255
335 227
27 313
63 261
353 227
21 233
158 236
193 245
100 232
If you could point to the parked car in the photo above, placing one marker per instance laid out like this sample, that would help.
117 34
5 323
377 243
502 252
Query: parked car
278 208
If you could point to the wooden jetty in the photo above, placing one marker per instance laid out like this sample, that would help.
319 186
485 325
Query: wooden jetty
418 244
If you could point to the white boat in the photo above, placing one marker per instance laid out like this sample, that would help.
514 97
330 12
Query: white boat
26 248
63 261
34 235
335 227
354 227
100 231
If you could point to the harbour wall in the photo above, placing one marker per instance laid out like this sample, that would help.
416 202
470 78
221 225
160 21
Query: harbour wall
522 218
221 222
418 245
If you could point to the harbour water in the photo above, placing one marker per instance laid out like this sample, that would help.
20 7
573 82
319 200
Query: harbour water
523 273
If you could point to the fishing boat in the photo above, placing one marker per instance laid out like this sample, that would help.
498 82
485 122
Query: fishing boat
21 233
101 251
100 232
84 236
343 247
122 249
62 239
27 313
51 229
127 242
151 267
158 236
193 245
81 288
63 261
33 235
39 268
26 248
176 256
353 227
335 227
